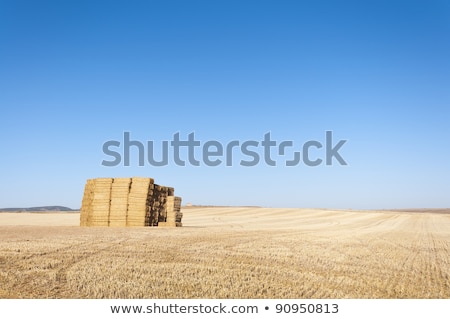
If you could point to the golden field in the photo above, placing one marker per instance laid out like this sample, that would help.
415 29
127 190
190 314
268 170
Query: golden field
230 252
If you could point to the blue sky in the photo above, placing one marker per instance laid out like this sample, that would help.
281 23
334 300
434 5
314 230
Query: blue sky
74 74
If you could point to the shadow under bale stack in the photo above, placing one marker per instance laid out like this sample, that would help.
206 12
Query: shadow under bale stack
129 202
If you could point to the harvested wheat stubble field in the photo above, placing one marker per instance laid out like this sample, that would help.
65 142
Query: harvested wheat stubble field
230 252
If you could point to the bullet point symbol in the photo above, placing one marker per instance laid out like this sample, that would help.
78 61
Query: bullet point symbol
267 308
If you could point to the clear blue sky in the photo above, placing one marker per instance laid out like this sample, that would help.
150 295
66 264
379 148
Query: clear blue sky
74 74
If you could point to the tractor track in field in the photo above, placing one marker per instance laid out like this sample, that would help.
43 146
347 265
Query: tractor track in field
58 262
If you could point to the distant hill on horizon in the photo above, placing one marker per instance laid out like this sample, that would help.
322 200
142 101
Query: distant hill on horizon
39 209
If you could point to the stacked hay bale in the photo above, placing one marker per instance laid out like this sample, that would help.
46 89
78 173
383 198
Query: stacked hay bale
159 204
119 201
133 201
173 212
99 214
178 213
167 204
86 204
141 191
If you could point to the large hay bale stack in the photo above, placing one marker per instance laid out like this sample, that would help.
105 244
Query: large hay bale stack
133 201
